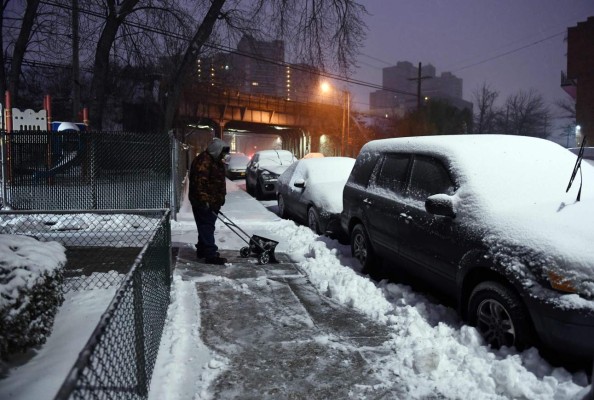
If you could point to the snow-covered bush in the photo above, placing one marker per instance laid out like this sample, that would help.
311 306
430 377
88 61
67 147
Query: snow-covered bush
30 291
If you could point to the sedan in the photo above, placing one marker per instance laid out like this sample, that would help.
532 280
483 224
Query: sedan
310 191
263 170
235 165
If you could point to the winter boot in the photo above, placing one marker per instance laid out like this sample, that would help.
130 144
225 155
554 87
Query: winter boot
216 259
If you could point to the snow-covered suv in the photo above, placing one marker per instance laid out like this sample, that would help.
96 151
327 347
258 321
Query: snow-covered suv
490 220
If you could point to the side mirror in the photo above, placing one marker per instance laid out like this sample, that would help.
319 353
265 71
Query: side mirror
299 183
440 204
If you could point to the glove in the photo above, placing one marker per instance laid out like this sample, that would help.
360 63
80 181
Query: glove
215 209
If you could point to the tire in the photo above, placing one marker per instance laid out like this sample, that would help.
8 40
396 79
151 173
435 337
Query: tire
500 316
282 209
248 188
313 220
362 250
259 193
244 252
264 257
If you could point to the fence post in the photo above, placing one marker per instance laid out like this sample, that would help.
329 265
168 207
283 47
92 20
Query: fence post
173 176
142 381
93 169
5 202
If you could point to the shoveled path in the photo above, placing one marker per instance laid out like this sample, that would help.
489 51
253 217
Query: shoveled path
283 339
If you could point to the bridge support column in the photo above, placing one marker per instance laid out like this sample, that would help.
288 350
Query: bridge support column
218 129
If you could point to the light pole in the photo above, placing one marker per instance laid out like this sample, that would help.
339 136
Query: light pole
346 126
346 116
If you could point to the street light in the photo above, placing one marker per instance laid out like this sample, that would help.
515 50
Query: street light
325 87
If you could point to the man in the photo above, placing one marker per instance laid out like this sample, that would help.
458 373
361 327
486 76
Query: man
207 196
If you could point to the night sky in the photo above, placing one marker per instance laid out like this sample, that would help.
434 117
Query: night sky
470 38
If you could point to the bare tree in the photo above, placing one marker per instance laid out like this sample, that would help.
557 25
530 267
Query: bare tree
486 115
123 36
526 114
567 108
20 44
322 33
568 114
30 33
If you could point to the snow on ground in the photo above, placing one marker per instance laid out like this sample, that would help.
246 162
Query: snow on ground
432 350
39 373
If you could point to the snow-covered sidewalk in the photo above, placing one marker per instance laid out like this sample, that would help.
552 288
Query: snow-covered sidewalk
420 349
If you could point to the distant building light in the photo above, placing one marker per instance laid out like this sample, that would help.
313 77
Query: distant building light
226 67
254 83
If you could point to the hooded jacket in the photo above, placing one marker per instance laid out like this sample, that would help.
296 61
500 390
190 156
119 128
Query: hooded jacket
207 176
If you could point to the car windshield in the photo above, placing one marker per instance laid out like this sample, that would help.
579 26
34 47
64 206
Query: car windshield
270 158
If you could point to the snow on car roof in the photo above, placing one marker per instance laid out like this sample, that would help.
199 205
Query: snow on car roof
327 169
514 189
275 157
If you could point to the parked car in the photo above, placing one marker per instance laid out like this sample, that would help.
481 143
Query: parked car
310 191
263 169
235 165
488 220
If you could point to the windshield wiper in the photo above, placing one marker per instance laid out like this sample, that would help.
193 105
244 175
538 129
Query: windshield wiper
576 167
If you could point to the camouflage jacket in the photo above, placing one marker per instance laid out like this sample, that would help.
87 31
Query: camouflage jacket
207 181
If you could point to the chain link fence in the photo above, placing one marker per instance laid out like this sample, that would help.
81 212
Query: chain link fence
72 170
108 198
129 249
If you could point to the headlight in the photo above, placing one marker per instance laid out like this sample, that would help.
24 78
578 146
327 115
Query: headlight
561 283
267 176
571 283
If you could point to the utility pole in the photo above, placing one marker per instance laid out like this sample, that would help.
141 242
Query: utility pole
419 78
75 63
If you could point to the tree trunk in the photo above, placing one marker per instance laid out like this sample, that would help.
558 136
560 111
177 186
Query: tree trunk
101 66
3 84
20 48
176 81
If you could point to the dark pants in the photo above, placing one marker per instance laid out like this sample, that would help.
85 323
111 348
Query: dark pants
205 222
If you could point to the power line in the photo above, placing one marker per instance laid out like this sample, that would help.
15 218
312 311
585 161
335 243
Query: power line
234 51
510 52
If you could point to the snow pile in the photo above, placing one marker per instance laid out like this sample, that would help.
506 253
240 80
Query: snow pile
30 291
430 348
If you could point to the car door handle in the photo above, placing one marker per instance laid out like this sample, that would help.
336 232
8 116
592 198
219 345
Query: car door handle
367 201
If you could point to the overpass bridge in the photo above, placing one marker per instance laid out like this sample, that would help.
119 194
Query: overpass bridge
303 127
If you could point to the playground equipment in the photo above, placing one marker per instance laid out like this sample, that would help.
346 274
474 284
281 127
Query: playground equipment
63 149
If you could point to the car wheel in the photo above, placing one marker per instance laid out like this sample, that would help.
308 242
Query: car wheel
500 316
282 211
248 188
259 193
313 220
362 250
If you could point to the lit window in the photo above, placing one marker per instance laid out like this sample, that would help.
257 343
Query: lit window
254 83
